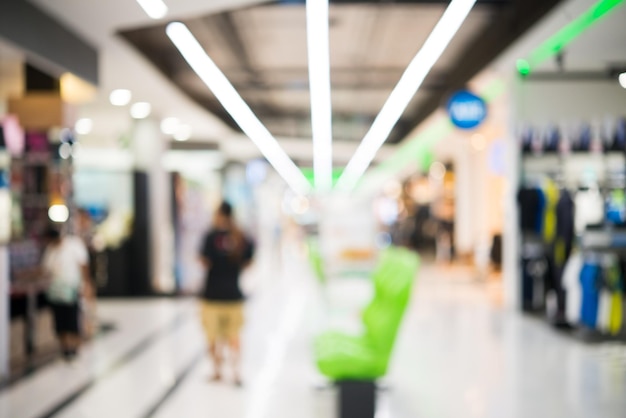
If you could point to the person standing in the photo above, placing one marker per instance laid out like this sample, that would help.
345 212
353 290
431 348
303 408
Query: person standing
225 253
65 264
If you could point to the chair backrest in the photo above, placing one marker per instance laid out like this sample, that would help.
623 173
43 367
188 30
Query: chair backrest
393 280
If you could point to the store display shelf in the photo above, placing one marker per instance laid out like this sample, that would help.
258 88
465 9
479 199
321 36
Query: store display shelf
604 240
575 154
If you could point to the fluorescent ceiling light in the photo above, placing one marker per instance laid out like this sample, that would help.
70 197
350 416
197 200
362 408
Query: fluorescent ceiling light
83 126
169 125
156 9
120 97
411 80
319 81
215 80
622 80
183 133
140 110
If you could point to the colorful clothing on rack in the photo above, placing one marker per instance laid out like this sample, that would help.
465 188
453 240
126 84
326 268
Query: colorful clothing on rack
589 281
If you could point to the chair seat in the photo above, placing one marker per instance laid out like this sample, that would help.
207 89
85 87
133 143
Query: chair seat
343 357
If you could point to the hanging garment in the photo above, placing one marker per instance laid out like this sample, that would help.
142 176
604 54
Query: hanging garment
565 233
573 290
526 138
529 200
551 193
552 139
541 210
589 209
589 280
619 138
585 138
604 310
561 250
617 313
616 207
613 285
534 271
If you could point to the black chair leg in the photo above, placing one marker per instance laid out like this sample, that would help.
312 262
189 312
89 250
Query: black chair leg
357 399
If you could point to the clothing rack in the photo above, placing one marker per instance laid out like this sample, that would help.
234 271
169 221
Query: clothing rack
602 242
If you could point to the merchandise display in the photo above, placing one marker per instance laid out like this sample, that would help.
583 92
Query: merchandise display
595 292
572 207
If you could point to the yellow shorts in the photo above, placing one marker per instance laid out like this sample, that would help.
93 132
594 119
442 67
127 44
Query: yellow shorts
222 320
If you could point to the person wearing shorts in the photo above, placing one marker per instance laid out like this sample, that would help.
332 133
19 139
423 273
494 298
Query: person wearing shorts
225 253
65 264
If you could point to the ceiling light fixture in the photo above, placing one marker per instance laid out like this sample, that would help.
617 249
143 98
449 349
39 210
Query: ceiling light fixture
83 126
120 97
319 81
409 83
622 80
169 126
58 213
156 9
183 133
224 91
140 110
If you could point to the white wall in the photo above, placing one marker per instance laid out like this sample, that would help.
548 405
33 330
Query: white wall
561 102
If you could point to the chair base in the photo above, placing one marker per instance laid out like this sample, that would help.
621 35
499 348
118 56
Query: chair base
357 399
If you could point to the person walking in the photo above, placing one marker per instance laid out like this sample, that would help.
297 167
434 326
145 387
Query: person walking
65 264
225 253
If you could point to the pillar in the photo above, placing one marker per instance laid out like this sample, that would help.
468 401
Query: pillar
153 237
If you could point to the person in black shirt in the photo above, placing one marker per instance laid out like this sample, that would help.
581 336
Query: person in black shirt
225 253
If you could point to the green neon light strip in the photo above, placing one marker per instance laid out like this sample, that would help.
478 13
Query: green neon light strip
309 174
565 36
416 149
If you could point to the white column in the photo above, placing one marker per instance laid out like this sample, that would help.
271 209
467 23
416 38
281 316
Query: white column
510 233
149 145
5 235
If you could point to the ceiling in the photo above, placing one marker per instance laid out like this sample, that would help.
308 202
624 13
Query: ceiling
261 46
262 51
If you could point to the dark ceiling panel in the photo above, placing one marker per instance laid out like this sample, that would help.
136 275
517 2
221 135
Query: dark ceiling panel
262 51
511 24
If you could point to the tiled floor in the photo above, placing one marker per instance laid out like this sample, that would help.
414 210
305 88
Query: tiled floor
458 355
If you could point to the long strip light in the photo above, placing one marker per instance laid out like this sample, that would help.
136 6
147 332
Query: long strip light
156 9
224 91
318 43
409 83
556 43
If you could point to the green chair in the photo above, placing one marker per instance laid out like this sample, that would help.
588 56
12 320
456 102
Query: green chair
343 357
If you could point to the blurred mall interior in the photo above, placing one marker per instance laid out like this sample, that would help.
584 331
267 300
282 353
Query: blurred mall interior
428 208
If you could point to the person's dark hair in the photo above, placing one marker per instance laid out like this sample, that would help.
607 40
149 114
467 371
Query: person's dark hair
52 233
225 209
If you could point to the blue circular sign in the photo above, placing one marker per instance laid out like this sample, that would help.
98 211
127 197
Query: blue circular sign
467 110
